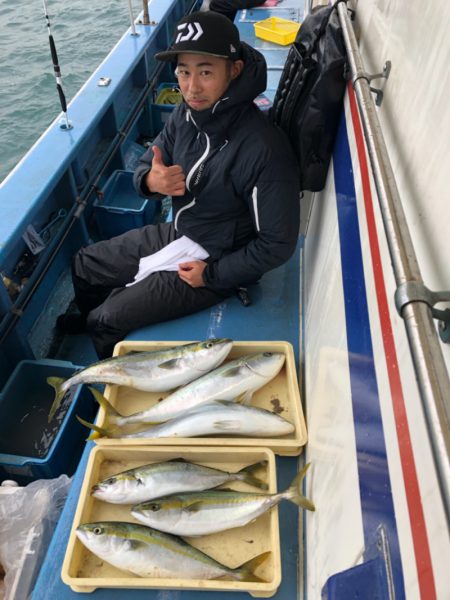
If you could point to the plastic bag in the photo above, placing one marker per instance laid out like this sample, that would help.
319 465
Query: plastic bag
28 516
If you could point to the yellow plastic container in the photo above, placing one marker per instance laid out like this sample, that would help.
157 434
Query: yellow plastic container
169 95
280 395
277 30
84 572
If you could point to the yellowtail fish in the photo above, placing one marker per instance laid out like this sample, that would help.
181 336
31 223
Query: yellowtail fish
149 553
220 417
155 371
237 379
202 513
170 477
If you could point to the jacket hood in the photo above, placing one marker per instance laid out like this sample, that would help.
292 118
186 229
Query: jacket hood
253 79
242 90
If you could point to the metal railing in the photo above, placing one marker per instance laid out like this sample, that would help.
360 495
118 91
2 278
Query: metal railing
431 372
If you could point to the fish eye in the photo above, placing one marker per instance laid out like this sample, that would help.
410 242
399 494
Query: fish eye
209 344
111 480
267 354
154 507
97 530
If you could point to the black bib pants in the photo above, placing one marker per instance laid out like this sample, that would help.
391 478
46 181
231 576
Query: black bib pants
101 271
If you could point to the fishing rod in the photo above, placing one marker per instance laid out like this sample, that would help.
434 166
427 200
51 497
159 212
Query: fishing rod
57 70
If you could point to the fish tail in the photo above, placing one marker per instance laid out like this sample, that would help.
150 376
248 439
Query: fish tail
111 414
249 477
294 491
245 398
246 572
98 431
57 385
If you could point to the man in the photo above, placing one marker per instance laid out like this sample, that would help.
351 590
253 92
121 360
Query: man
235 196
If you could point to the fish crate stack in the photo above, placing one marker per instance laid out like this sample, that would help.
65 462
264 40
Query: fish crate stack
84 572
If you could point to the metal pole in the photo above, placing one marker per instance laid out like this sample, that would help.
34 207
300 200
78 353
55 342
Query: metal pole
431 371
146 16
130 10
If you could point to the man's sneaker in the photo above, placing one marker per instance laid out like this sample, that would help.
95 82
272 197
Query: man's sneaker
71 324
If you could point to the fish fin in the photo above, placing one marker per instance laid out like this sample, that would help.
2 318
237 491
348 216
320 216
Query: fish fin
232 372
223 402
245 398
226 425
195 506
246 571
98 431
56 383
294 491
248 476
136 544
169 364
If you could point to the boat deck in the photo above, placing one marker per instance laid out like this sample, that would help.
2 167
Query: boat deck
378 527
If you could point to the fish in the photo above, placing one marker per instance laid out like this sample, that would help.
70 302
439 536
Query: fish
201 513
235 380
149 553
220 417
164 478
153 371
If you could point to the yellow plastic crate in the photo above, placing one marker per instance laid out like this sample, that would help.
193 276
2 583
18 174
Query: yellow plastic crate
281 394
277 30
84 572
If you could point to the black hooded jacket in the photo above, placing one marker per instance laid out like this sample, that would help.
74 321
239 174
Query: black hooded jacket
242 184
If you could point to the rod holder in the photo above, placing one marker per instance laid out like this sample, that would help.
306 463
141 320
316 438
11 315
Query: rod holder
413 291
379 93
65 124
133 27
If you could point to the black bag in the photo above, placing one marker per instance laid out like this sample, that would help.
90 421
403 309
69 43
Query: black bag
309 98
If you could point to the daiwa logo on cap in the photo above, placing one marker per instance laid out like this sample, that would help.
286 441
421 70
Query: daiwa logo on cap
204 33
193 33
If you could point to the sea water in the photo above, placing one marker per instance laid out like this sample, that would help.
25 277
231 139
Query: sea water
84 32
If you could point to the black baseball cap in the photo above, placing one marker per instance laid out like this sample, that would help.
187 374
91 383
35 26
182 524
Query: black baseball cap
204 33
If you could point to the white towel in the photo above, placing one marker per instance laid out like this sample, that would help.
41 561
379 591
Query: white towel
169 257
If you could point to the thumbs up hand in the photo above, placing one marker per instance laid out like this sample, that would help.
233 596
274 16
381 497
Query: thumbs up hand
169 181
